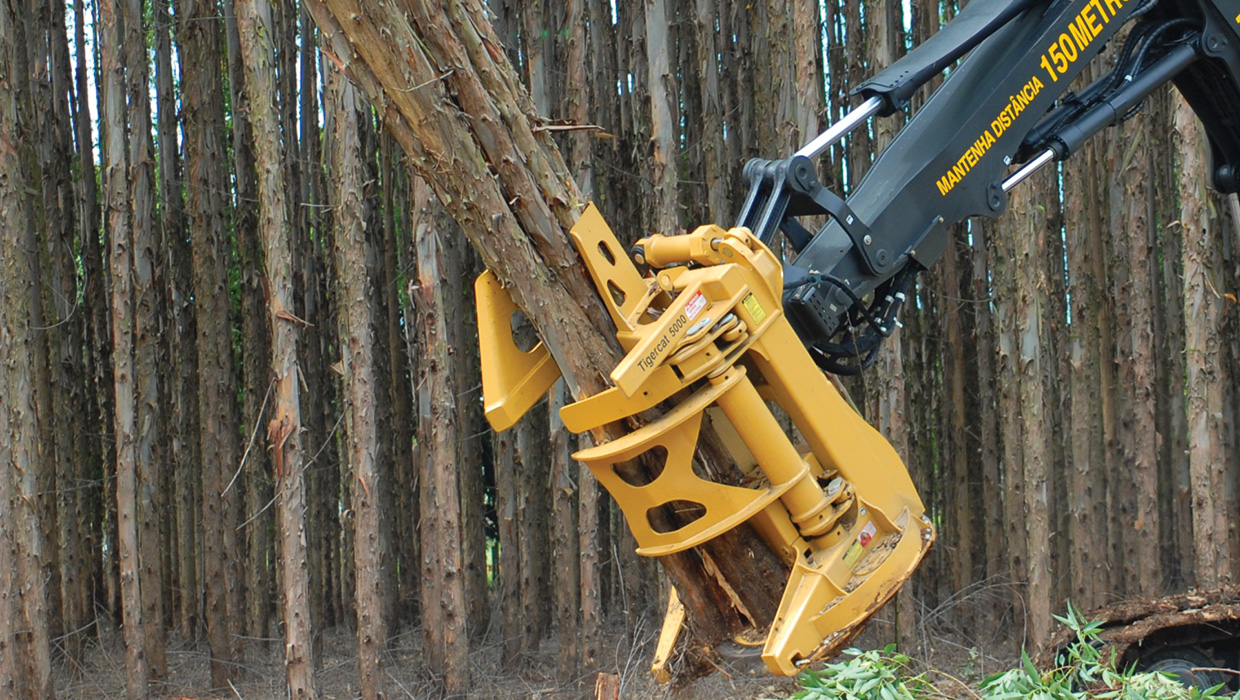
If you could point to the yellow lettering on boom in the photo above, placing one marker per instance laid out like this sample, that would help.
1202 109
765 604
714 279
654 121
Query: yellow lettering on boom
1017 103
1083 29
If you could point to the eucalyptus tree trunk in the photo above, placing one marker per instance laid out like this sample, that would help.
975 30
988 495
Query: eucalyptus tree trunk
176 338
118 198
96 343
25 665
1088 519
887 393
60 487
360 410
284 431
713 146
255 345
1135 517
504 182
664 134
444 615
206 185
149 445
1203 311
1021 298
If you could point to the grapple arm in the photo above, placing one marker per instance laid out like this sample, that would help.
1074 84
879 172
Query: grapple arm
841 510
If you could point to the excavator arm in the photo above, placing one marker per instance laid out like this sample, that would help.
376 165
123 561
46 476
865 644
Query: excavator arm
718 329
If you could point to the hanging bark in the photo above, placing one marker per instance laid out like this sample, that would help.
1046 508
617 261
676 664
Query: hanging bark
1202 312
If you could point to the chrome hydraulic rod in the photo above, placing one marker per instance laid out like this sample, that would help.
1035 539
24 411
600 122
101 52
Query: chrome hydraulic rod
1029 168
841 128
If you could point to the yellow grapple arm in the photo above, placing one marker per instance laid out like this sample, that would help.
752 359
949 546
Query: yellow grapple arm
843 515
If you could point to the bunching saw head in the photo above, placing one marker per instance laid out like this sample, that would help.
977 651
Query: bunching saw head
707 343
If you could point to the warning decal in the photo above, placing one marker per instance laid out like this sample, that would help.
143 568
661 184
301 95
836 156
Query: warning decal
754 308
853 554
695 305
867 534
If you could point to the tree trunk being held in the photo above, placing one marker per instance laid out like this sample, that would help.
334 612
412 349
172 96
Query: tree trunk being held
406 56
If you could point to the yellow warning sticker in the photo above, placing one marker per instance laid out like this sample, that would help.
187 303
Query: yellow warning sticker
754 308
853 554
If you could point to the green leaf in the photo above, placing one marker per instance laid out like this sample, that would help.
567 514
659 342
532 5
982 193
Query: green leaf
1028 664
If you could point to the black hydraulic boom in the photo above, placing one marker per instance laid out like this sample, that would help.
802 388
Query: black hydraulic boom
1004 111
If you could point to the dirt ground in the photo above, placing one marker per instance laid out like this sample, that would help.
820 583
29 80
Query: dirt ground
960 639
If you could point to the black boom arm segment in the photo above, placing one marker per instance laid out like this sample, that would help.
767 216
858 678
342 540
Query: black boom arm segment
1007 103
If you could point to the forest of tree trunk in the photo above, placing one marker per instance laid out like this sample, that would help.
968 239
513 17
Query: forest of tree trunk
241 418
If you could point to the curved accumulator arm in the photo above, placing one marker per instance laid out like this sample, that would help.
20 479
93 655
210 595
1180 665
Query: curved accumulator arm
1006 104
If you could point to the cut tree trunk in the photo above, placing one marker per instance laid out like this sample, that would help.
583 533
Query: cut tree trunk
424 68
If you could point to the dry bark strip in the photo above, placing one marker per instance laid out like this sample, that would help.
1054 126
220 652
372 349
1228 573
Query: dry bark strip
439 78
1134 622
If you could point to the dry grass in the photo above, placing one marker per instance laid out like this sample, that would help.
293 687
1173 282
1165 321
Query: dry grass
963 638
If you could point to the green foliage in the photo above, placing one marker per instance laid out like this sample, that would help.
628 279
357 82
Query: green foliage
868 674
1086 672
